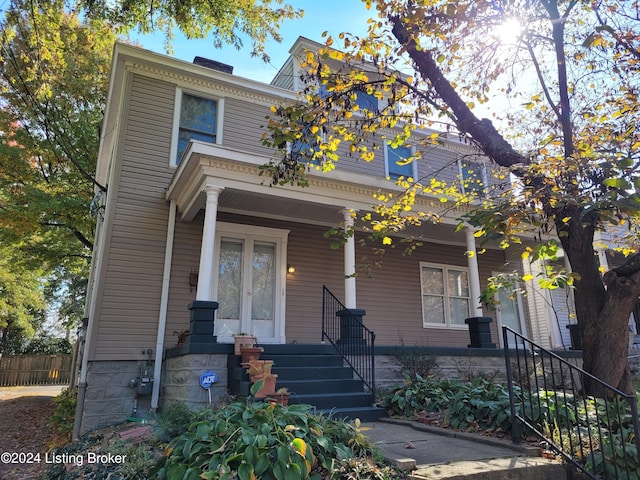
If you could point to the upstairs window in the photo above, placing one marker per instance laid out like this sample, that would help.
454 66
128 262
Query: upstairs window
474 177
366 101
395 159
198 119
445 295
304 149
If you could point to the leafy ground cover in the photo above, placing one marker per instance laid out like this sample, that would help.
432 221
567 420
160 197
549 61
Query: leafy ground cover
483 405
241 440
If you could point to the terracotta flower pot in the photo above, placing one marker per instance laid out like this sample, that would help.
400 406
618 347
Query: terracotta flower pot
250 354
267 385
281 398
240 341
257 368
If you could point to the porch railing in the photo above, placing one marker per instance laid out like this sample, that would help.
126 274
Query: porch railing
599 434
343 329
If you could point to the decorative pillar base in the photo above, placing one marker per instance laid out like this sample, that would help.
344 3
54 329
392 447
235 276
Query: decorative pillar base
574 334
202 318
480 332
351 326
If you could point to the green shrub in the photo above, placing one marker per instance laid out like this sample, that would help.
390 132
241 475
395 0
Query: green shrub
65 412
175 419
268 441
566 419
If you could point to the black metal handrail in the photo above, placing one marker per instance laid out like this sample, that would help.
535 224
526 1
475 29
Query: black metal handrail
599 434
355 343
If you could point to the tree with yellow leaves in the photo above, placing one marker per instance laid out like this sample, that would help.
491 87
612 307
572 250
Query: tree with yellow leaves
569 139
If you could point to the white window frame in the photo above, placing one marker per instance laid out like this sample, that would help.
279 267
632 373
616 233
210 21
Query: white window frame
176 119
447 320
414 163
483 174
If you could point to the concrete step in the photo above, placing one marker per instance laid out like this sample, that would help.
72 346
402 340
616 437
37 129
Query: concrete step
512 468
304 387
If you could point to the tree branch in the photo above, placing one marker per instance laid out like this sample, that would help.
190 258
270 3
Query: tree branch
481 131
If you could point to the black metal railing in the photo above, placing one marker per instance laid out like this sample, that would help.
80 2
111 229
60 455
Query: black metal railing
343 328
599 434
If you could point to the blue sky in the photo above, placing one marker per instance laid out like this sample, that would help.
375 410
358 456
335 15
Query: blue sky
334 16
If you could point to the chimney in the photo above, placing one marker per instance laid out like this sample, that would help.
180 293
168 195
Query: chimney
213 65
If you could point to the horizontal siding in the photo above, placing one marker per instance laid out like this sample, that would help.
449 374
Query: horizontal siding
391 299
129 308
185 258
243 126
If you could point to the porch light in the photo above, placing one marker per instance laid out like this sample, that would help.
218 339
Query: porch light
193 280
291 269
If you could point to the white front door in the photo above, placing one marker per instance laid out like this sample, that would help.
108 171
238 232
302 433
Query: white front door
509 311
250 280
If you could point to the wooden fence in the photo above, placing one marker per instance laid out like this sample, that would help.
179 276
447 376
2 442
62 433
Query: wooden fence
35 370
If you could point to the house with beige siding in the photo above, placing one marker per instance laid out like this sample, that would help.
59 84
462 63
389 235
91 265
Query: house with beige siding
191 237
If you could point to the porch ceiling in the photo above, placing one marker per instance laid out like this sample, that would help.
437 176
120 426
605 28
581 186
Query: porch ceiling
255 204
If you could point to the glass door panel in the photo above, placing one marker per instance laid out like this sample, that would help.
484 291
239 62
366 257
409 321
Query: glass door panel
230 288
263 290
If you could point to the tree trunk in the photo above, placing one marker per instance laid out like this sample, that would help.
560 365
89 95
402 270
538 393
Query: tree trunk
602 312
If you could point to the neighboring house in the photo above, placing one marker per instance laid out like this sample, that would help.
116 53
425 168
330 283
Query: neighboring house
187 218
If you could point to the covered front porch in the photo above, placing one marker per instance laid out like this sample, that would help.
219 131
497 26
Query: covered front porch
263 254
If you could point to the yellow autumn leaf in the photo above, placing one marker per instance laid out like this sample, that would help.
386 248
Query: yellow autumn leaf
386 241
528 277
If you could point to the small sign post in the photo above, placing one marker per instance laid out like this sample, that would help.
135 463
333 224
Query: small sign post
207 379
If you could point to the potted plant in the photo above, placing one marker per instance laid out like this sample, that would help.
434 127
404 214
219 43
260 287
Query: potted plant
258 368
264 386
242 339
281 396
249 354
182 336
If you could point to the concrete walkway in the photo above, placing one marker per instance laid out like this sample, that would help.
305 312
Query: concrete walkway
7 393
438 453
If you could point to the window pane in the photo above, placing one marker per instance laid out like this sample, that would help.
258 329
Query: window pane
432 281
197 121
230 280
458 283
432 309
367 101
395 155
304 148
473 176
264 279
198 114
458 310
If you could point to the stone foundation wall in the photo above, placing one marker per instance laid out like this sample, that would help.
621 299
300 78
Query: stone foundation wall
109 399
463 367
181 379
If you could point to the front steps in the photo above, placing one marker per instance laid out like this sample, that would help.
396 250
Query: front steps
313 376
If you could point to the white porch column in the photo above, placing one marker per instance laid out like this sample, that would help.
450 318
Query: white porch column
474 275
205 271
349 262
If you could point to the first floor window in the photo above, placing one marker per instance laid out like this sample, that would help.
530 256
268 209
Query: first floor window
445 295
198 119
